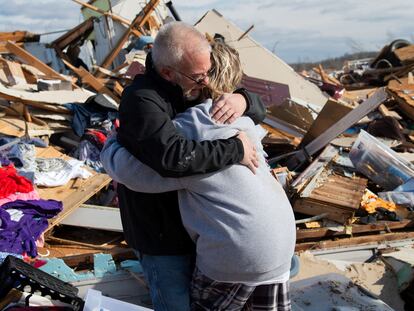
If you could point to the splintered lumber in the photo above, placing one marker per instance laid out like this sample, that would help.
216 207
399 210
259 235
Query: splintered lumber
303 155
74 34
13 71
138 22
112 15
89 79
329 115
30 59
19 36
357 241
404 94
4 50
16 127
72 197
319 233
405 54
338 196
59 97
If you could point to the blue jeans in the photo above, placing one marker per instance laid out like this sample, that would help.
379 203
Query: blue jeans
169 280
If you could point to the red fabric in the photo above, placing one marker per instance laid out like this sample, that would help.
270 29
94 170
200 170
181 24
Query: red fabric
101 137
11 182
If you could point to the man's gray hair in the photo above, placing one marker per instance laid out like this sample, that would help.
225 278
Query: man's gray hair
173 41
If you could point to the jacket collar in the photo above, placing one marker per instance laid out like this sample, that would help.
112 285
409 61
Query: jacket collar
173 92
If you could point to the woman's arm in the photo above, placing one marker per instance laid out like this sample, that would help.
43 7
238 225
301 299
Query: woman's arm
124 168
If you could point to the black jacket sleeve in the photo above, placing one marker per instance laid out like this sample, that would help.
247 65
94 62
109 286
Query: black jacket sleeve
147 131
255 110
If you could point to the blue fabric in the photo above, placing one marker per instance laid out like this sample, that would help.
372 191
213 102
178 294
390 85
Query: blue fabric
169 279
89 114
142 42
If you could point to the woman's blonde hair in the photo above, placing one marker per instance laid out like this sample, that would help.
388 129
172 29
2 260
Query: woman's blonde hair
226 71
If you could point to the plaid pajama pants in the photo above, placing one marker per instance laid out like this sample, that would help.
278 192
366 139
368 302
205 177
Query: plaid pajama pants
207 294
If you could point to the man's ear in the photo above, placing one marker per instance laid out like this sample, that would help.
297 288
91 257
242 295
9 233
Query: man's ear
167 74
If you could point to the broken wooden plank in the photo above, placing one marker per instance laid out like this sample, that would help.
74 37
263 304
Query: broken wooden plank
357 241
331 113
58 98
337 213
305 154
13 71
138 22
89 79
15 126
71 197
404 94
30 59
75 34
405 54
114 17
19 36
303 234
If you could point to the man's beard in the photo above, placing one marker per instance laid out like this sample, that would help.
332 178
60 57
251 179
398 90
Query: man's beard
192 95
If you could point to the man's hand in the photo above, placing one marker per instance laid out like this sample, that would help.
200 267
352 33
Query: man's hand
228 108
250 155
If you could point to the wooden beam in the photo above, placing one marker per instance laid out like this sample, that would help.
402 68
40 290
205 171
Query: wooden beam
304 154
112 15
405 54
74 34
4 50
41 105
304 234
358 241
30 59
19 36
93 82
138 22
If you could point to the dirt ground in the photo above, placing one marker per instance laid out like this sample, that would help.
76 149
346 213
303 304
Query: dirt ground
375 277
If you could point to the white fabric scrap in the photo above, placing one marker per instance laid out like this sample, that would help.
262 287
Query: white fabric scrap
61 177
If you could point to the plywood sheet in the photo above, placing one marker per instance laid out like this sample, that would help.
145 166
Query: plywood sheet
405 54
15 127
331 113
75 192
48 97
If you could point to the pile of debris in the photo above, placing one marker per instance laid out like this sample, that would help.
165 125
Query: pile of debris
341 144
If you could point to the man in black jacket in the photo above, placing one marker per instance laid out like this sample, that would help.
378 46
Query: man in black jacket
176 71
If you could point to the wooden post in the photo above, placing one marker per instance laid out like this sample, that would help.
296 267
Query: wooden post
89 79
30 59
138 21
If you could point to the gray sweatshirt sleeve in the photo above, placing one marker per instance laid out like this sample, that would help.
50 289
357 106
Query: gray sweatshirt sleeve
124 168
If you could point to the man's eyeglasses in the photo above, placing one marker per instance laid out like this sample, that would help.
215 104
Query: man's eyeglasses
199 80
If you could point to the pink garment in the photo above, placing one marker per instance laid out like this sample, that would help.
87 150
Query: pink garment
40 242
32 195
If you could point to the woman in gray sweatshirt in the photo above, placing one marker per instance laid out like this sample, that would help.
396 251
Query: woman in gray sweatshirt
242 223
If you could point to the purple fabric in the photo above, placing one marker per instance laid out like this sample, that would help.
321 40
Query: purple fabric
20 236
4 161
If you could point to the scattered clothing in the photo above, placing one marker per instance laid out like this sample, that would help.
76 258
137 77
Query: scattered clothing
89 149
90 114
54 172
11 182
23 222
37 142
90 155
4 161
25 196
23 156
